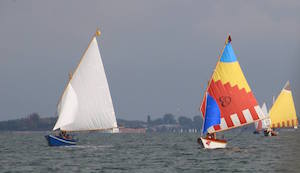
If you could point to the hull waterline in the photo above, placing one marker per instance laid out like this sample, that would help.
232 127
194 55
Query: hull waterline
58 141
213 143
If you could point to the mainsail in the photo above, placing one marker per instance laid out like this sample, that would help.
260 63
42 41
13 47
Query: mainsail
283 112
86 103
229 88
263 124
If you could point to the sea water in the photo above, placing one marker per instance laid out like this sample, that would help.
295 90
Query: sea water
152 152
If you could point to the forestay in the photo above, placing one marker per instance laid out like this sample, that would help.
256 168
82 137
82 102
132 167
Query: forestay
86 103
230 89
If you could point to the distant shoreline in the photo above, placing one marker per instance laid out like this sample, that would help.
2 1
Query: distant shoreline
168 123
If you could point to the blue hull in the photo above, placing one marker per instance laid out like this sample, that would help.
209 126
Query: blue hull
58 141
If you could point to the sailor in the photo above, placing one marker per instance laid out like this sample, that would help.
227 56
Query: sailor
60 134
64 135
211 135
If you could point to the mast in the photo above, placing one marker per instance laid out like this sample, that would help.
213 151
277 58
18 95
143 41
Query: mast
203 116
205 95
219 57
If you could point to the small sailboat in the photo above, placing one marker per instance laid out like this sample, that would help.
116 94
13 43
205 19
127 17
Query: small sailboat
85 104
262 124
228 101
258 127
283 112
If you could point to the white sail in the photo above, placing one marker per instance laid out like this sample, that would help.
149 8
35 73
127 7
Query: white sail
94 110
264 109
67 108
266 122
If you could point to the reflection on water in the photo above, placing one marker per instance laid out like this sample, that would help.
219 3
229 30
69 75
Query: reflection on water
167 152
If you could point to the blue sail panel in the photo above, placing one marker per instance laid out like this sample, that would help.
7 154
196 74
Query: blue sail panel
212 113
228 54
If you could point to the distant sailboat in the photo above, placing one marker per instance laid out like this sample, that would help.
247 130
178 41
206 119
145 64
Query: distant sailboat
228 101
283 112
258 127
86 103
262 124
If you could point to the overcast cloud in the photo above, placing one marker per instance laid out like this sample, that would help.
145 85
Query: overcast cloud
158 55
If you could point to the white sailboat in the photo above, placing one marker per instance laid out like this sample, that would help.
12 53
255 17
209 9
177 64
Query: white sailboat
262 124
85 104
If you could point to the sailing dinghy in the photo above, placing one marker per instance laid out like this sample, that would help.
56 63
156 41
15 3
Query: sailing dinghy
228 101
258 127
85 104
262 124
283 112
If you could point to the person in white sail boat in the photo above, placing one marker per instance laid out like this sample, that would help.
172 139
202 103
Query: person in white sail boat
64 135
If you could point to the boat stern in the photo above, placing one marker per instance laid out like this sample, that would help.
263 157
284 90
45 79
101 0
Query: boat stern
213 143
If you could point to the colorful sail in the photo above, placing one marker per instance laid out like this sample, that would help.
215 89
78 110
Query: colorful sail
229 88
283 112
212 114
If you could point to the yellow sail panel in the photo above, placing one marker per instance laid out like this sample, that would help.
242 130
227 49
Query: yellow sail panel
283 112
231 73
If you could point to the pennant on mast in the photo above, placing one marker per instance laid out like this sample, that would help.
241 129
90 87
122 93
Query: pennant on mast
229 88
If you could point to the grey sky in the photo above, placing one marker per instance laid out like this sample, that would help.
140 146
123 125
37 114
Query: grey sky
158 55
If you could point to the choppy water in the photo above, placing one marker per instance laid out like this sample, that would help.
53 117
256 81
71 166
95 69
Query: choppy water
168 152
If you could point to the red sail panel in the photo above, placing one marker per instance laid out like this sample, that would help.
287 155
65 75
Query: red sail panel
236 105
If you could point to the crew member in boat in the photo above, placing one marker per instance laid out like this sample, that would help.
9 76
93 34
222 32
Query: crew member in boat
64 135
211 136
208 136
270 132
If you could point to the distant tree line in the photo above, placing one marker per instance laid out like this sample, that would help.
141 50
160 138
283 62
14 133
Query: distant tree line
183 121
169 123
34 122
